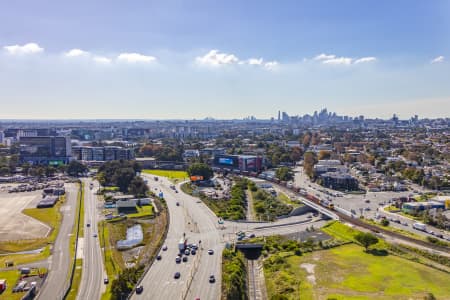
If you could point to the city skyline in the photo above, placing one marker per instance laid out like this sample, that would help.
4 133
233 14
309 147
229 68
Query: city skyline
224 61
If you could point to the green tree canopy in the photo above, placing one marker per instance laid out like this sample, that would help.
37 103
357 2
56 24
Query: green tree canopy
366 239
75 167
200 169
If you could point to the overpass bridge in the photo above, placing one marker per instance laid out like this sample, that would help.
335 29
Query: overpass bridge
320 209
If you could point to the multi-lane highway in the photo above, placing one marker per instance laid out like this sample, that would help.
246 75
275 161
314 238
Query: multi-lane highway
91 286
197 224
60 262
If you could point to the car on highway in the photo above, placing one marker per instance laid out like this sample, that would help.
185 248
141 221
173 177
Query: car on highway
177 275
178 203
210 251
178 259
106 280
158 257
139 289
94 235
185 258
164 248
88 224
212 279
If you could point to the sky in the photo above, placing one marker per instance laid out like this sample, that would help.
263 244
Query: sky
223 59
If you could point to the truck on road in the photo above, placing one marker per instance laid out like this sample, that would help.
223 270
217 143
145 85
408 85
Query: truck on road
182 244
419 226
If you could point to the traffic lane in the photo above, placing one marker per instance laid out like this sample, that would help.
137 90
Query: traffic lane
394 218
159 281
55 283
283 230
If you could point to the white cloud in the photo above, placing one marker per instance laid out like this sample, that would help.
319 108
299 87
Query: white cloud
29 48
365 59
271 65
216 58
135 58
324 56
338 61
255 61
331 59
102 59
438 59
76 52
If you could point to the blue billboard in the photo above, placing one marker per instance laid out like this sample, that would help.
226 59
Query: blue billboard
225 161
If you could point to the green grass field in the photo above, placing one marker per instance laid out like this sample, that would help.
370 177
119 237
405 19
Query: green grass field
286 200
347 272
146 211
11 279
174 176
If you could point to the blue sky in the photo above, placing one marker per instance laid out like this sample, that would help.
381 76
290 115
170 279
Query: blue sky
223 59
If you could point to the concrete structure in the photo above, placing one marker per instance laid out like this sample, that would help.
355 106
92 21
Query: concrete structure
242 163
416 207
126 207
339 181
47 150
107 153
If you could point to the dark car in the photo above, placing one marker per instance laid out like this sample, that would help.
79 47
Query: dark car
178 259
106 281
178 203
210 251
139 289
212 279
193 252
164 248
177 275
88 224
185 259
158 257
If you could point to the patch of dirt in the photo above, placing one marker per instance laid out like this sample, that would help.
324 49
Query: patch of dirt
310 269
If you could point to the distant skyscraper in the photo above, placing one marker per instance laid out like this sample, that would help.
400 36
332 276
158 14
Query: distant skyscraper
279 115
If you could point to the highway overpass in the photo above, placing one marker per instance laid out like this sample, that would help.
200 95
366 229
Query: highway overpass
320 209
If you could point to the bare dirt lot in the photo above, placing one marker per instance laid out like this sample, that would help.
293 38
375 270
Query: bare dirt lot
13 224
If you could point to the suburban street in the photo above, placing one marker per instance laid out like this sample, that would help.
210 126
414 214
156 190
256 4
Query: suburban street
91 286
60 262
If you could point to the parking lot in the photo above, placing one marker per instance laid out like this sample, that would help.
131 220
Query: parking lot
13 224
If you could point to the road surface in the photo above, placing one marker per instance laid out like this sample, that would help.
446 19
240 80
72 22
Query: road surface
56 283
197 224
91 286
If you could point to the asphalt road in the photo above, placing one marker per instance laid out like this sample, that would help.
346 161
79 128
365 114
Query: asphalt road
91 286
60 262
197 224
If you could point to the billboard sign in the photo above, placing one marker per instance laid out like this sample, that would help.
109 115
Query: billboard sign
196 178
225 161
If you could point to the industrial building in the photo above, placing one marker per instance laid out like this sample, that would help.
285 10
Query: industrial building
126 207
45 150
413 208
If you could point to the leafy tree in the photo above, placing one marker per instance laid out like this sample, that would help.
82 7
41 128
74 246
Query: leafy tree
309 160
200 169
284 174
75 167
366 239
384 222
138 187
123 177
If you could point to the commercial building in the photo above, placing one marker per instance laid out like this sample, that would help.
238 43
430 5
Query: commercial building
126 207
416 207
339 181
46 150
87 153
242 163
